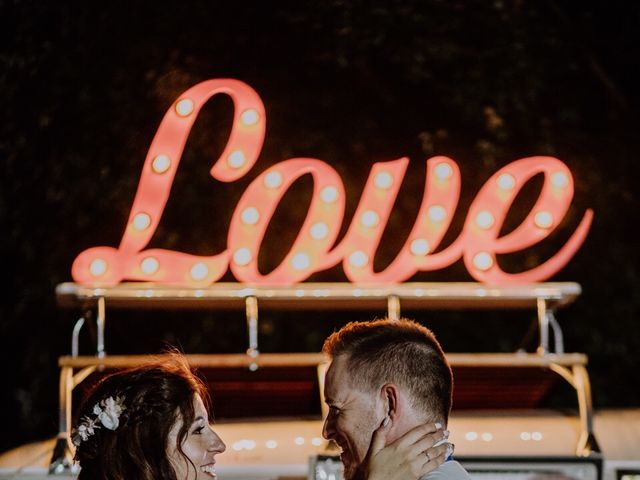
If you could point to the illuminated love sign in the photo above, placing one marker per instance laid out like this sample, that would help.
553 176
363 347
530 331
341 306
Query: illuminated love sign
314 250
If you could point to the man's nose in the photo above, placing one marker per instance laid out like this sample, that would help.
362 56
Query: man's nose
327 428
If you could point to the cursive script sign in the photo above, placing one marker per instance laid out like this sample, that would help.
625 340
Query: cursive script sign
315 247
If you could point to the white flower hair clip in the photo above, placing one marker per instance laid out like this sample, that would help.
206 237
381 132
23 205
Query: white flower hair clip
107 414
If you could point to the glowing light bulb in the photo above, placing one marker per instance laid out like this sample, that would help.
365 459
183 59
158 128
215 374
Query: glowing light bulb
161 164
271 444
526 436
420 247
484 219
199 271
141 221
319 231
317 441
358 259
543 219
559 180
471 436
329 194
370 218
506 181
383 180
242 257
250 117
236 159
443 171
184 107
299 440
483 261
149 265
537 436
301 261
250 216
486 436
98 267
437 213
273 180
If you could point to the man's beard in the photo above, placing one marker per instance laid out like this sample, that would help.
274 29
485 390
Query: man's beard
355 470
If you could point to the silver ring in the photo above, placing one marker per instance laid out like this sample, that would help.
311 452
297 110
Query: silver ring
427 455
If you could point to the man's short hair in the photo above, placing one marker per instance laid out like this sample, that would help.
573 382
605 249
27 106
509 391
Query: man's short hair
402 352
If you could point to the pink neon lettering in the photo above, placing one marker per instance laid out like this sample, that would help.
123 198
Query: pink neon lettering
313 250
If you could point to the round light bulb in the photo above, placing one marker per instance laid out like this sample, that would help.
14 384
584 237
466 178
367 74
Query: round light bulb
199 271
329 194
358 259
483 261
149 265
250 216
271 444
299 440
161 164
484 219
437 213
242 257
543 219
383 180
250 117
236 159
301 261
559 180
369 218
98 267
319 231
443 171
273 180
420 247
141 221
506 181
184 107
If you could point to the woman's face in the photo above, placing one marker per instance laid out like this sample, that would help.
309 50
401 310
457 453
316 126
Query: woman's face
201 446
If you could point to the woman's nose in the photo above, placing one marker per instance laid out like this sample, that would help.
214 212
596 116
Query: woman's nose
217 445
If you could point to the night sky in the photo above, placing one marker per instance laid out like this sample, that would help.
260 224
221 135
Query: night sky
84 86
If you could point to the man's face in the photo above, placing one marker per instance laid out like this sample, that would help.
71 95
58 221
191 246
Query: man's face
353 416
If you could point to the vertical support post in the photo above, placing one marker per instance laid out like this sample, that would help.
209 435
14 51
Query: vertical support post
100 322
587 443
75 336
393 307
558 338
543 326
60 461
251 304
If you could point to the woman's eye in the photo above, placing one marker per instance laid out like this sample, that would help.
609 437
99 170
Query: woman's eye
198 431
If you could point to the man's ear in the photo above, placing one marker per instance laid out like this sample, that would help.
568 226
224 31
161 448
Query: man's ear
390 398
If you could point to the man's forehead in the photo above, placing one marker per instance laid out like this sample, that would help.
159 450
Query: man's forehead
339 380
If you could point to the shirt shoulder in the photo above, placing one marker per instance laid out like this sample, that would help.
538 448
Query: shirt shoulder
450 470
